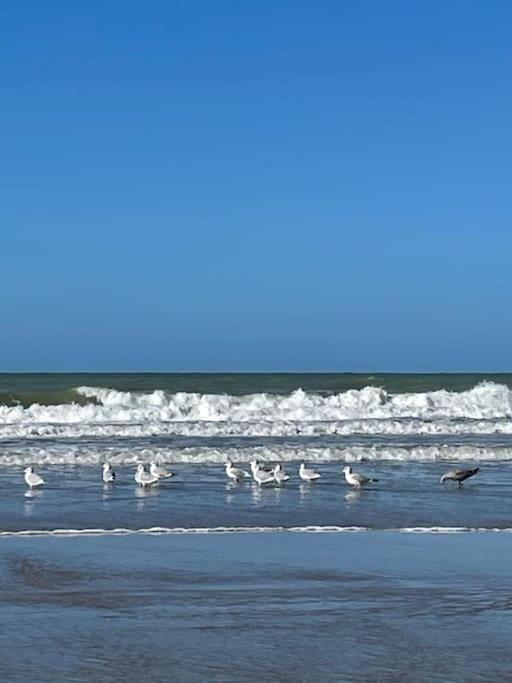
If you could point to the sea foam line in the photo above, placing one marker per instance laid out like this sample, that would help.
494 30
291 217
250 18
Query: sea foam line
312 529
129 456
370 410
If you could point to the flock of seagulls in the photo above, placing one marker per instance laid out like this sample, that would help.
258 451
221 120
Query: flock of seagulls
261 474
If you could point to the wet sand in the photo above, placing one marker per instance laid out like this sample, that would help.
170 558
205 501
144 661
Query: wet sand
372 606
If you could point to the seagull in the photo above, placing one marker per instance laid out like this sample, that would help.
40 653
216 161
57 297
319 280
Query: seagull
280 475
356 480
235 473
264 468
260 475
459 475
306 474
109 476
32 479
159 472
144 478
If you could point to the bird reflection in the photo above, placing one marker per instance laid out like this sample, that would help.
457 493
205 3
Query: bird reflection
142 493
107 492
231 485
353 497
31 496
33 493
305 490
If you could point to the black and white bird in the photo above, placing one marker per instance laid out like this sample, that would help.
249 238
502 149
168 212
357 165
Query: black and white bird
356 480
109 476
459 475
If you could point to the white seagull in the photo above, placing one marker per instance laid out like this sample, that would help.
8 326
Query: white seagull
144 478
109 476
32 479
260 475
159 472
356 480
235 473
306 474
280 475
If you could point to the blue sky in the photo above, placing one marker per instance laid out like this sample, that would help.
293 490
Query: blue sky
256 186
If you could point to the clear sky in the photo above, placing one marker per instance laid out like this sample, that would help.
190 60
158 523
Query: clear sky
271 185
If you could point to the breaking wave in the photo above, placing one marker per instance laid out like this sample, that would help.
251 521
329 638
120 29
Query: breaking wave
94 411
78 454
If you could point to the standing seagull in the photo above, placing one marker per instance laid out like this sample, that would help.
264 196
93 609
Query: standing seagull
280 475
306 474
260 475
159 472
356 480
109 476
32 479
235 473
459 475
144 478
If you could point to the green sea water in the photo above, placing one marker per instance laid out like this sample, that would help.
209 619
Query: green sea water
54 388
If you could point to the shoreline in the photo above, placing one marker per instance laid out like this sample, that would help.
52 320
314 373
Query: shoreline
229 531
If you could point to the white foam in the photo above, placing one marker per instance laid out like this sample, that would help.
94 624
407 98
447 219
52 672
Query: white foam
485 409
159 531
76 454
405 427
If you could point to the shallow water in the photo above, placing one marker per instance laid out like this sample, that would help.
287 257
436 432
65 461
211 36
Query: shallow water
406 495
155 585
379 606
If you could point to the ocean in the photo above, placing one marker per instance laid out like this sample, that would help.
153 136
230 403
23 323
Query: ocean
204 579
404 430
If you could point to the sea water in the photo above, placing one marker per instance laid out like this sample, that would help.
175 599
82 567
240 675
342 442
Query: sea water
404 430
204 579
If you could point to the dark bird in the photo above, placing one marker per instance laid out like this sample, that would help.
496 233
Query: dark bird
459 475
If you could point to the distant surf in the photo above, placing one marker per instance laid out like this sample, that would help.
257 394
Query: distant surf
88 411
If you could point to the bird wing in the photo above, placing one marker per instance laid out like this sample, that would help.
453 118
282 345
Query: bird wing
266 476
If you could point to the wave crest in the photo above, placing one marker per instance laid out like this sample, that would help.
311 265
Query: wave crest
109 412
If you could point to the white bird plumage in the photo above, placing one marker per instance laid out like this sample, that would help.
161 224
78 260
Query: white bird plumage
144 478
159 472
32 479
235 473
108 474
260 475
307 474
280 475
355 479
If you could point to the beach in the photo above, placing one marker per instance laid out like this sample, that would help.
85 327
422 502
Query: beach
201 578
374 606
